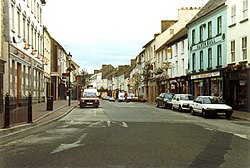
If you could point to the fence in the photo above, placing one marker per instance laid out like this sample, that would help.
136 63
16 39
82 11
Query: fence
17 110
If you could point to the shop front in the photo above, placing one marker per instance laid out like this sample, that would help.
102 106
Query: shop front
237 92
207 84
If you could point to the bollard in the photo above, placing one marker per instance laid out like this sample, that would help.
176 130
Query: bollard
30 108
7 111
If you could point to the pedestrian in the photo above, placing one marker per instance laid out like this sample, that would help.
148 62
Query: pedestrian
125 95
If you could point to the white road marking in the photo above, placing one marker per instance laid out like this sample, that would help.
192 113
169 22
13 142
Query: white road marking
64 147
109 123
124 125
241 135
208 129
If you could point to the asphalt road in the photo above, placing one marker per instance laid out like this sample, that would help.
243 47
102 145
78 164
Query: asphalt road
131 135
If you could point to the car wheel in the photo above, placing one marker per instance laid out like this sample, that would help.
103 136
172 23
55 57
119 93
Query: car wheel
165 105
157 104
228 115
204 113
172 108
192 111
179 109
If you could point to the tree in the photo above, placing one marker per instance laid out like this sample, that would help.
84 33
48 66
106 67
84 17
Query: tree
85 77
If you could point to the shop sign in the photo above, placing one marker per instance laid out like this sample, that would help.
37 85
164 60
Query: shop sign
207 43
206 75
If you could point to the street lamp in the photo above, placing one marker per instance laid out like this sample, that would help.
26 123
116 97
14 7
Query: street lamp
69 69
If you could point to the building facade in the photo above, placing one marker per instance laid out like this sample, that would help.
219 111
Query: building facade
23 32
207 34
237 84
3 57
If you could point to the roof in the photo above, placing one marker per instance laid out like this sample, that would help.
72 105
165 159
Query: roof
175 38
208 8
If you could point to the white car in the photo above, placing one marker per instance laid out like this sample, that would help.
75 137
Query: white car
182 102
206 105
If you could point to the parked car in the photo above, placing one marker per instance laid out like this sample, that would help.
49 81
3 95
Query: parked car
164 100
132 97
111 99
210 105
89 99
121 97
182 102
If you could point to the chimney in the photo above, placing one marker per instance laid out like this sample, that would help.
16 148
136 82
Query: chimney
165 24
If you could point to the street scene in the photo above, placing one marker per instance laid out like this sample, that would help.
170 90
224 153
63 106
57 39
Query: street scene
120 134
125 84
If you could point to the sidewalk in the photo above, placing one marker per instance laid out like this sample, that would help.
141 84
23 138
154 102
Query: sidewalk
40 116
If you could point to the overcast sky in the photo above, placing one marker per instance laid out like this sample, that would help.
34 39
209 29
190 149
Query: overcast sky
100 32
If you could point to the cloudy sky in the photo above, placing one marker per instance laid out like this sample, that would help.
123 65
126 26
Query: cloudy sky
100 32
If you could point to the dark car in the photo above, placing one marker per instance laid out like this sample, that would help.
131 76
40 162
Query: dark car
89 99
164 100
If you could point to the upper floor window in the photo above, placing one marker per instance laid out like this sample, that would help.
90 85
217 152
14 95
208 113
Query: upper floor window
24 27
210 29
232 50
176 50
18 23
201 32
12 17
193 36
233 14
244 48
219 55
182 46
194 62
219 25
210 58
245 9
201 60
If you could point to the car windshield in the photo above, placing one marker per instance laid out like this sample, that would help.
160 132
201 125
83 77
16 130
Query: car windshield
211 100
186 97
168 96
89 95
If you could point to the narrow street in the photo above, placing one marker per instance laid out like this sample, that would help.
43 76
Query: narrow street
131 135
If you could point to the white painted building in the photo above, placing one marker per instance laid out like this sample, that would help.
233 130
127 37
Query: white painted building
23 44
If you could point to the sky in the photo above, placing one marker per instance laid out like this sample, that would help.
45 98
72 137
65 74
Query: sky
98 32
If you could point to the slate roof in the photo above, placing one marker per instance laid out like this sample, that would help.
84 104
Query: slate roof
181 34
209 7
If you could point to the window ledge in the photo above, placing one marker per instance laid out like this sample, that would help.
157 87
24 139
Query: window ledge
209 68
201 70
232 25
219 66
244 20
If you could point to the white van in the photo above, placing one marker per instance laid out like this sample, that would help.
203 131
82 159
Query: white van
121 97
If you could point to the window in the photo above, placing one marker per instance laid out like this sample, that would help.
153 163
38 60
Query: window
219 55
233 51
182 46
201 32
193 36
219 25
210 58
210 34
201 61
244 48
233 14
19 23
24 28
194 61
28 32
176 50
12 17
245 9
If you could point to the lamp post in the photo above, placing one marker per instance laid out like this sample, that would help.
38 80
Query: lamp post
69 69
